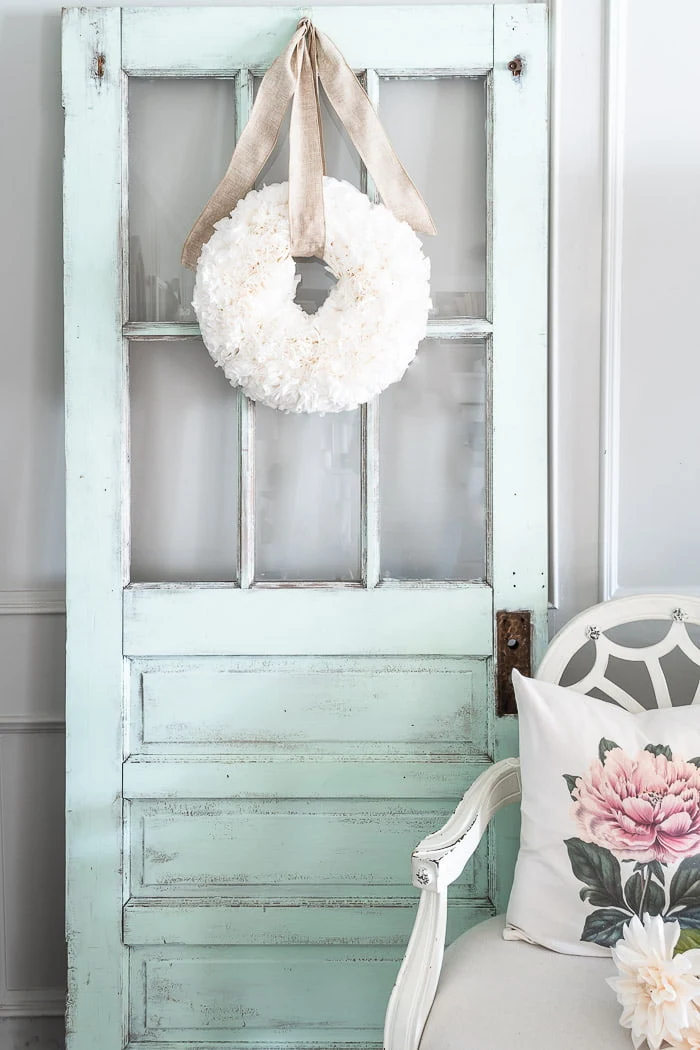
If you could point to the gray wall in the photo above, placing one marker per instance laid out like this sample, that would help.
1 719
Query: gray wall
625 377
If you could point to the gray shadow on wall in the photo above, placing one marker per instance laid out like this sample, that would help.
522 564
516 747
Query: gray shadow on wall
32 531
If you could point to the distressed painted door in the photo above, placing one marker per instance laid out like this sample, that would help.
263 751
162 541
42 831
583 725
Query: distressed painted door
280 652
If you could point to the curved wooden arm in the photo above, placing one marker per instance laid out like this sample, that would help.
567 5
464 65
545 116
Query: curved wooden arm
441 857
436 862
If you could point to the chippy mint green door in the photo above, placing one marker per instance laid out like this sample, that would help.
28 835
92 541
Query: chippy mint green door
281 627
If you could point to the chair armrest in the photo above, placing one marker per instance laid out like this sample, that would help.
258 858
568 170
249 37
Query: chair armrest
437 862
441 857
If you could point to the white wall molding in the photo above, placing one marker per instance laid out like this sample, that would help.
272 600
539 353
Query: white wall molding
26 602
46 1004
611 327
31 724
555 74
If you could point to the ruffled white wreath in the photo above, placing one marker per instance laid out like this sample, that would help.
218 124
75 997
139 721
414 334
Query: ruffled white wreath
357 343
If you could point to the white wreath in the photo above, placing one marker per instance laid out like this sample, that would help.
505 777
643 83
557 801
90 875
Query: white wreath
359 341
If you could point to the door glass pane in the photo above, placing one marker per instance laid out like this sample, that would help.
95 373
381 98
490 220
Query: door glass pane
184 464
433 465
307 496
307 467
438 128
342 162
181 136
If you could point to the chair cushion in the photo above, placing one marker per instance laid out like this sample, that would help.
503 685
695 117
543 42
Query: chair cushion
496 995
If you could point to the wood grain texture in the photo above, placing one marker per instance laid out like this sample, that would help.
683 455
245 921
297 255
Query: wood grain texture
327 994
519 348
288 704
95 395
390 620
197 41
209 848
429 775
330 920
438 328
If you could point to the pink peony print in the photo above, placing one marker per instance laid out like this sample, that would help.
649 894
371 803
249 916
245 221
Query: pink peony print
645 808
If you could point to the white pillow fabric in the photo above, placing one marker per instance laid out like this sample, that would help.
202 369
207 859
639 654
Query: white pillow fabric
610 819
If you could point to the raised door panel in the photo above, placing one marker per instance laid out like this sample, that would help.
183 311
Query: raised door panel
349 847
355 706
312 995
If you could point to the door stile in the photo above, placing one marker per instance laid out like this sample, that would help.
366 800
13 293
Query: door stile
519 296
96 567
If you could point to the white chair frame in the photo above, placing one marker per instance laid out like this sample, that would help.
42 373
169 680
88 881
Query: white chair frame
441 857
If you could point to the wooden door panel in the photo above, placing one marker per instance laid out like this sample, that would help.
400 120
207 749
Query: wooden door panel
427 776
198 621
354 707
299 994
181 848
285 920
216 41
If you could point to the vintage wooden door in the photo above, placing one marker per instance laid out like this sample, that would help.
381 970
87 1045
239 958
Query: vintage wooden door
280 650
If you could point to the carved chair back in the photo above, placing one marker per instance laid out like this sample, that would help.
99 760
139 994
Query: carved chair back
639 652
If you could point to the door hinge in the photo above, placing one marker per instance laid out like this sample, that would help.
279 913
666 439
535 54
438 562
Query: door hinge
513 632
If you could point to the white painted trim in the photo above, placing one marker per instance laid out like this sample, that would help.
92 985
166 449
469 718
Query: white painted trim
611 314
32 724
52 1004
555 74
27 602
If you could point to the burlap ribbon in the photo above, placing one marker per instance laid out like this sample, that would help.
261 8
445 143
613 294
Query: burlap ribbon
294 76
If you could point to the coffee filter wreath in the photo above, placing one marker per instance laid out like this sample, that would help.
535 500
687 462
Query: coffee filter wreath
359 341
366 333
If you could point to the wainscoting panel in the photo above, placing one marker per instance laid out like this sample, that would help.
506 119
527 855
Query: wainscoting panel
32 764
31 823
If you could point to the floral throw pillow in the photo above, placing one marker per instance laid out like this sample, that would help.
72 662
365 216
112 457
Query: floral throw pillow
610 819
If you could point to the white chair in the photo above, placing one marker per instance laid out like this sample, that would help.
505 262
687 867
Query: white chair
492 994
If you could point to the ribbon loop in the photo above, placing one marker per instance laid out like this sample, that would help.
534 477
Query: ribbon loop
294 77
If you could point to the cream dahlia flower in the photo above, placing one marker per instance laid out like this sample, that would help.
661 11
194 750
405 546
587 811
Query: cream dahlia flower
658 992
690 1037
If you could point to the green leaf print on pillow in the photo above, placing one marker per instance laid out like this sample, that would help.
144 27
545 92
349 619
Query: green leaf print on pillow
636 817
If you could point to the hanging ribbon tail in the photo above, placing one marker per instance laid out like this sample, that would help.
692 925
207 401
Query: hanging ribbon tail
357 114
307 219
254 147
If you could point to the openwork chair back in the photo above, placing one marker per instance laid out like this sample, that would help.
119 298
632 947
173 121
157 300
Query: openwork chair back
639 652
